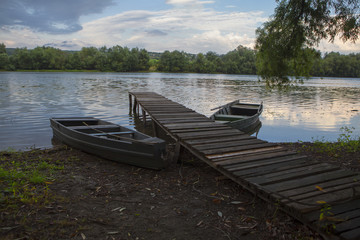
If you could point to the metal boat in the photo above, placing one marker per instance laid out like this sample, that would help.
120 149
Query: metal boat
110 141
243 116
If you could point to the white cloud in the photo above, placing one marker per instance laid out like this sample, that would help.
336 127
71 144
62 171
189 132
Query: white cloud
187 25
180 29
188 2
339 46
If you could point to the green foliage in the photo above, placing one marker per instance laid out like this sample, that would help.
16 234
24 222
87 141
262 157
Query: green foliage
174 62
2 48
345 142
116 59
242 60
239 61
25 179
284 43
325 216
337 65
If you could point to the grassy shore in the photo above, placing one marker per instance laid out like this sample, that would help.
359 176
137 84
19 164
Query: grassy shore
62 193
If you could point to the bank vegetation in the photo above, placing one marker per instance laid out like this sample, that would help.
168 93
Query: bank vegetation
242 60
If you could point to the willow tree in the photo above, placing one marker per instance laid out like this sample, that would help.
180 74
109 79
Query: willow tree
285 43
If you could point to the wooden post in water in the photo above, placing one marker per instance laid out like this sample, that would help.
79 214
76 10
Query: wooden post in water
130 102
155 128
135 105
144 117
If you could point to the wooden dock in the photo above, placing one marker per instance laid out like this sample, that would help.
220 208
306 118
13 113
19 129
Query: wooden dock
300 186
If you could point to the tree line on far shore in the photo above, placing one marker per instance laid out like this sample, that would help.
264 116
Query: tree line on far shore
242 60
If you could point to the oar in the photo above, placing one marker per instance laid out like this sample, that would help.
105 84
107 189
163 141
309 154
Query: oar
223 105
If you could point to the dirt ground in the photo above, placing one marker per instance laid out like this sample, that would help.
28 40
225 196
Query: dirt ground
93 198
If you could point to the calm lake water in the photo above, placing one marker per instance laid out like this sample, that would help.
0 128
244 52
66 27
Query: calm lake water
314 110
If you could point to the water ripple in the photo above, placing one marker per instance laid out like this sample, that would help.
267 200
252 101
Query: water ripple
27 101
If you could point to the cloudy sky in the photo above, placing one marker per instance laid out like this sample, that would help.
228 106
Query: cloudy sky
157 25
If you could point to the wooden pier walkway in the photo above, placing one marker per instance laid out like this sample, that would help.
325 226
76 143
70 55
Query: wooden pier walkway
302 187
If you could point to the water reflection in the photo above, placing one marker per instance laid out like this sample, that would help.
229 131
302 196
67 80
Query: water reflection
320 107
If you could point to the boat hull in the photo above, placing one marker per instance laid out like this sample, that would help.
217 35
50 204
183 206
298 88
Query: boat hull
142 151
245 117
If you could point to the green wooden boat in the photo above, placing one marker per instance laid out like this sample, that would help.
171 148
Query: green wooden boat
242 116
110 141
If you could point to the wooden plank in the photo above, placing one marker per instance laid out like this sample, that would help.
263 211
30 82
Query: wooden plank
272 178
347 215
320 194
167 108
173 126
270 165
219 133
192 130
251 158
326 186
110 126
155 107
159 106
339 210
183 111
203 128
225 144
216 139
174 115
330 198
81 119
243 163
251 154
225 150
243 153
352 234
309 180
179 119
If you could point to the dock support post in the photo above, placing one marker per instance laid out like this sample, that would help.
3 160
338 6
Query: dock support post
144 117
177 152
155 129
130 102
134 107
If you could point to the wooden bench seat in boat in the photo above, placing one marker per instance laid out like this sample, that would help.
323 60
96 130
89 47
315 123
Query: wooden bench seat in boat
226 117
111 133
93 127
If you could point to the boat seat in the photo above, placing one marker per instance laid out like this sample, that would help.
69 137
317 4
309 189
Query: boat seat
223 122
253 107
230 117
93 127
110 133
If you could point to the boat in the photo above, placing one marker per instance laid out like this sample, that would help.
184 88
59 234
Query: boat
242 116
110 141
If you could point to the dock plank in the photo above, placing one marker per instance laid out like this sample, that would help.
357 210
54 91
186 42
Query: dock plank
215 139
309 180
291 174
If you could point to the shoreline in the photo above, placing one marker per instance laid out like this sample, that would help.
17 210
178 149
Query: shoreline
84 196
211 73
